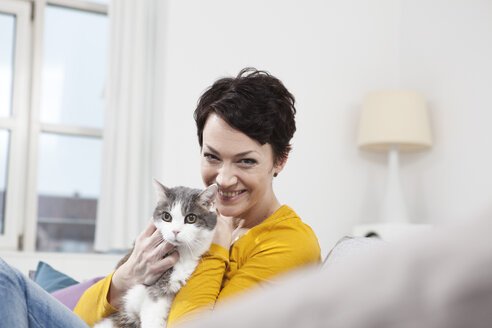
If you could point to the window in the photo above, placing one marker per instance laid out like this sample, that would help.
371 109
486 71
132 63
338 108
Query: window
7 39
72 118
52 152
14 77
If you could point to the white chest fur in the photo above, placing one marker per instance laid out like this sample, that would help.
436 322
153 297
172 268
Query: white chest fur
153 312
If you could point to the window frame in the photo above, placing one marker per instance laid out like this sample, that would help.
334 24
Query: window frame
22 191
17 123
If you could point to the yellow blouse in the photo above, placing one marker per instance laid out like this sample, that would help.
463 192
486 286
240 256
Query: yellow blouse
279 243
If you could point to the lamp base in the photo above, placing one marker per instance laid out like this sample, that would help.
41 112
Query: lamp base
393 210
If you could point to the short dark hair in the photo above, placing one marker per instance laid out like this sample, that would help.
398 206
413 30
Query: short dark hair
255 103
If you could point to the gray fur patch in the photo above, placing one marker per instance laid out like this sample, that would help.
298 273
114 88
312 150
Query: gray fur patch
190 204
122 320
161 287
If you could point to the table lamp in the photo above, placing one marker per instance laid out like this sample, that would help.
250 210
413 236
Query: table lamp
394 121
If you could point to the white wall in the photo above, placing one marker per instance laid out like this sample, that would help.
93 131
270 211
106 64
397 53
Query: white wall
446 52
329 54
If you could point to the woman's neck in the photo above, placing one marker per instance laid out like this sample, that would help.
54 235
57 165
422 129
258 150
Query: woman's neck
255 217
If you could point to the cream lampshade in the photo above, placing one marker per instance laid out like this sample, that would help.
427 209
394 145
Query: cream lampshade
393 121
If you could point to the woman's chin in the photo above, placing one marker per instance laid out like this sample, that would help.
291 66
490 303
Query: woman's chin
227 211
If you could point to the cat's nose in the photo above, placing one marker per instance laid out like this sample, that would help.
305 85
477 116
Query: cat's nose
176 232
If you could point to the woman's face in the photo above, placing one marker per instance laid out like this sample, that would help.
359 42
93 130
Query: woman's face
242 168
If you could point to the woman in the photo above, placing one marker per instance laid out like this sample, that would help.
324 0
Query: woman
244 127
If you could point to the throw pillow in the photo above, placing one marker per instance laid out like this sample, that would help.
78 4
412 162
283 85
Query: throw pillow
71 295
50 279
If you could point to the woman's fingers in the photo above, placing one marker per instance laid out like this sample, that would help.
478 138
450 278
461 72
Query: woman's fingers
158 252
155 239
167 262
150 238
165 248
223 232
160 266
149 229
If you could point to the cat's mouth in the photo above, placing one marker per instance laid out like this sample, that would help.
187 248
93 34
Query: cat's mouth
173 241
230 195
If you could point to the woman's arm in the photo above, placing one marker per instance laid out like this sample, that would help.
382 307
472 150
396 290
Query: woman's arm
93 305
270 253
257 257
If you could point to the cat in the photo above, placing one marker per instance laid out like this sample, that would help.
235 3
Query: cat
185 217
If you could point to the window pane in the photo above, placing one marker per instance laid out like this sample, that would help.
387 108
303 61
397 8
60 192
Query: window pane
7 37
74 67
68 191
4 153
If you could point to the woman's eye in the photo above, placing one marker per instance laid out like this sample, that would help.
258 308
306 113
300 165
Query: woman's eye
166 217
190 218
248 161
210 157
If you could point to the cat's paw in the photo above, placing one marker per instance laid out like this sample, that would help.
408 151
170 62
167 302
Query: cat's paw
176 286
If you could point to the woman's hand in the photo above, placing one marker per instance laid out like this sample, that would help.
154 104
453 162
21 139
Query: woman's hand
223 231
144 266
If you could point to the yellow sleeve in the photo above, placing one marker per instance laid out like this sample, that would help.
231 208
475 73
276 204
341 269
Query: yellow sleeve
263 256
94 305
203 287
284 248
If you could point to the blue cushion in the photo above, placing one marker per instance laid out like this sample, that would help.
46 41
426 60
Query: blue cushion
50 279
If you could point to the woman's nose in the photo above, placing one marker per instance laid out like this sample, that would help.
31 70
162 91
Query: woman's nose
226 177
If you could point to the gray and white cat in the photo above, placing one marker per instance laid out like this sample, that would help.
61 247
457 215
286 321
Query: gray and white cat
186 219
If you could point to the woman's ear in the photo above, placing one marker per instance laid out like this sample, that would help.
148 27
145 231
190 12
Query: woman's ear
279 166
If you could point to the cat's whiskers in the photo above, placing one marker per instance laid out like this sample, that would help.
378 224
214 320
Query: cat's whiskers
161 240
189 248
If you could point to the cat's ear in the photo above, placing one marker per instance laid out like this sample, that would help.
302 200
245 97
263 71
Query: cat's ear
207 197
160 190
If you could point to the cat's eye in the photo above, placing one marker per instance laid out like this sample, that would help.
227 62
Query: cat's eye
166 217
190 218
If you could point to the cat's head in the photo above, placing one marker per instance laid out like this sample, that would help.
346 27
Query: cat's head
185 216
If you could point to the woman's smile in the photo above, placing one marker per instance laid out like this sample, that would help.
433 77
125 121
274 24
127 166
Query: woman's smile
230 195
